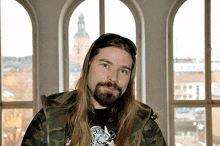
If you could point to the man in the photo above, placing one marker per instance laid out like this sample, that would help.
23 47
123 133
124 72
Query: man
102 111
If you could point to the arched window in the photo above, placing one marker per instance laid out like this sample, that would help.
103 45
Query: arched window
84 29
17 95
194 71
96 20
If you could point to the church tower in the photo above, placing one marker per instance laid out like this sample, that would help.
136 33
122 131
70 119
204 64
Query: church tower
81 42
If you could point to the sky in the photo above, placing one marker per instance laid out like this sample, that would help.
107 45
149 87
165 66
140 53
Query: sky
16 26
189 30
16 30
188 26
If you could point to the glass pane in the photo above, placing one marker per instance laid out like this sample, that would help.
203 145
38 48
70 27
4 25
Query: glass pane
216 126
215 35
83 30
119 19
190 126
16 45
14 125
188 51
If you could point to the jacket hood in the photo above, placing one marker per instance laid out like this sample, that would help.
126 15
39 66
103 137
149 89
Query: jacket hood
55 106
58 99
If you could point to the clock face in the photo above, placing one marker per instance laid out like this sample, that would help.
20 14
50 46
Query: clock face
81 26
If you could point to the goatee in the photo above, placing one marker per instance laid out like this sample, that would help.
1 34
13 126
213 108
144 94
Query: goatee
107 98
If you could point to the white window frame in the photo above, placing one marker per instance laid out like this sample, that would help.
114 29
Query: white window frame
66 13
24 104
208 103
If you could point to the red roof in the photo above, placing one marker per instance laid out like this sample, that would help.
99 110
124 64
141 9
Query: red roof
194 77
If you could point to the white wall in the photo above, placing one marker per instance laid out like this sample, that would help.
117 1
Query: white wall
155 15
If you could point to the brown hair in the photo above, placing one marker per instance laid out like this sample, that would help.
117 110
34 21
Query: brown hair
125 108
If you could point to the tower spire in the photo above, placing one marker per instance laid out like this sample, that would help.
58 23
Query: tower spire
81 26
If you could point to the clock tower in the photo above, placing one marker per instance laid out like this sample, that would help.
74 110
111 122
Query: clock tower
81 42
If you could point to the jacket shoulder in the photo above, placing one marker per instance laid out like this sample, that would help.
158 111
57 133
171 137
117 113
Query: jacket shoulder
146 127
36 131
152 134
142 115
144 111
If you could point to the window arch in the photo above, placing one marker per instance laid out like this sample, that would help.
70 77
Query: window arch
18 101
64 29
193 74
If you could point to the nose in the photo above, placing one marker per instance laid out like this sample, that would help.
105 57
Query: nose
113 76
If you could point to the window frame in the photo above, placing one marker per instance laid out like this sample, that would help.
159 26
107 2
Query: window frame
66 13
24 104
208 103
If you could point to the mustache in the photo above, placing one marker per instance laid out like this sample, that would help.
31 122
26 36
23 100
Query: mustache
110 84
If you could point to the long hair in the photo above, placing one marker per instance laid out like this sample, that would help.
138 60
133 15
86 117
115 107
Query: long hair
126 107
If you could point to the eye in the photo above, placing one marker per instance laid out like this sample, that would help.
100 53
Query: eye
124 71
105 65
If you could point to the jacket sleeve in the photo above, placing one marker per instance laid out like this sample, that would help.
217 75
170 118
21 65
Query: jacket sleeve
152 135
36 134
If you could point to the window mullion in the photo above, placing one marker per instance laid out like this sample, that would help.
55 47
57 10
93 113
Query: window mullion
102 16
0 60
209 125
0 82
171 140
1 129
208 80
207 51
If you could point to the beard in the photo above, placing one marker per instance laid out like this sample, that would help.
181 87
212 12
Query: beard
107 98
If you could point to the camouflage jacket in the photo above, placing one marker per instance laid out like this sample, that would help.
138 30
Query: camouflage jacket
48 126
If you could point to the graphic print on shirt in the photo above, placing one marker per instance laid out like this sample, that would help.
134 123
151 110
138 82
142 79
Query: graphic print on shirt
102 137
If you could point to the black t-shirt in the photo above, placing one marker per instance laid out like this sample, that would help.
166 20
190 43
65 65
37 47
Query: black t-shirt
103 125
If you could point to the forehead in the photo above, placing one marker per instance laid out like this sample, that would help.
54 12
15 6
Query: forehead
115 55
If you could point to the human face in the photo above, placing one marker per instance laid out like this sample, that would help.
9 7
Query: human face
109 75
